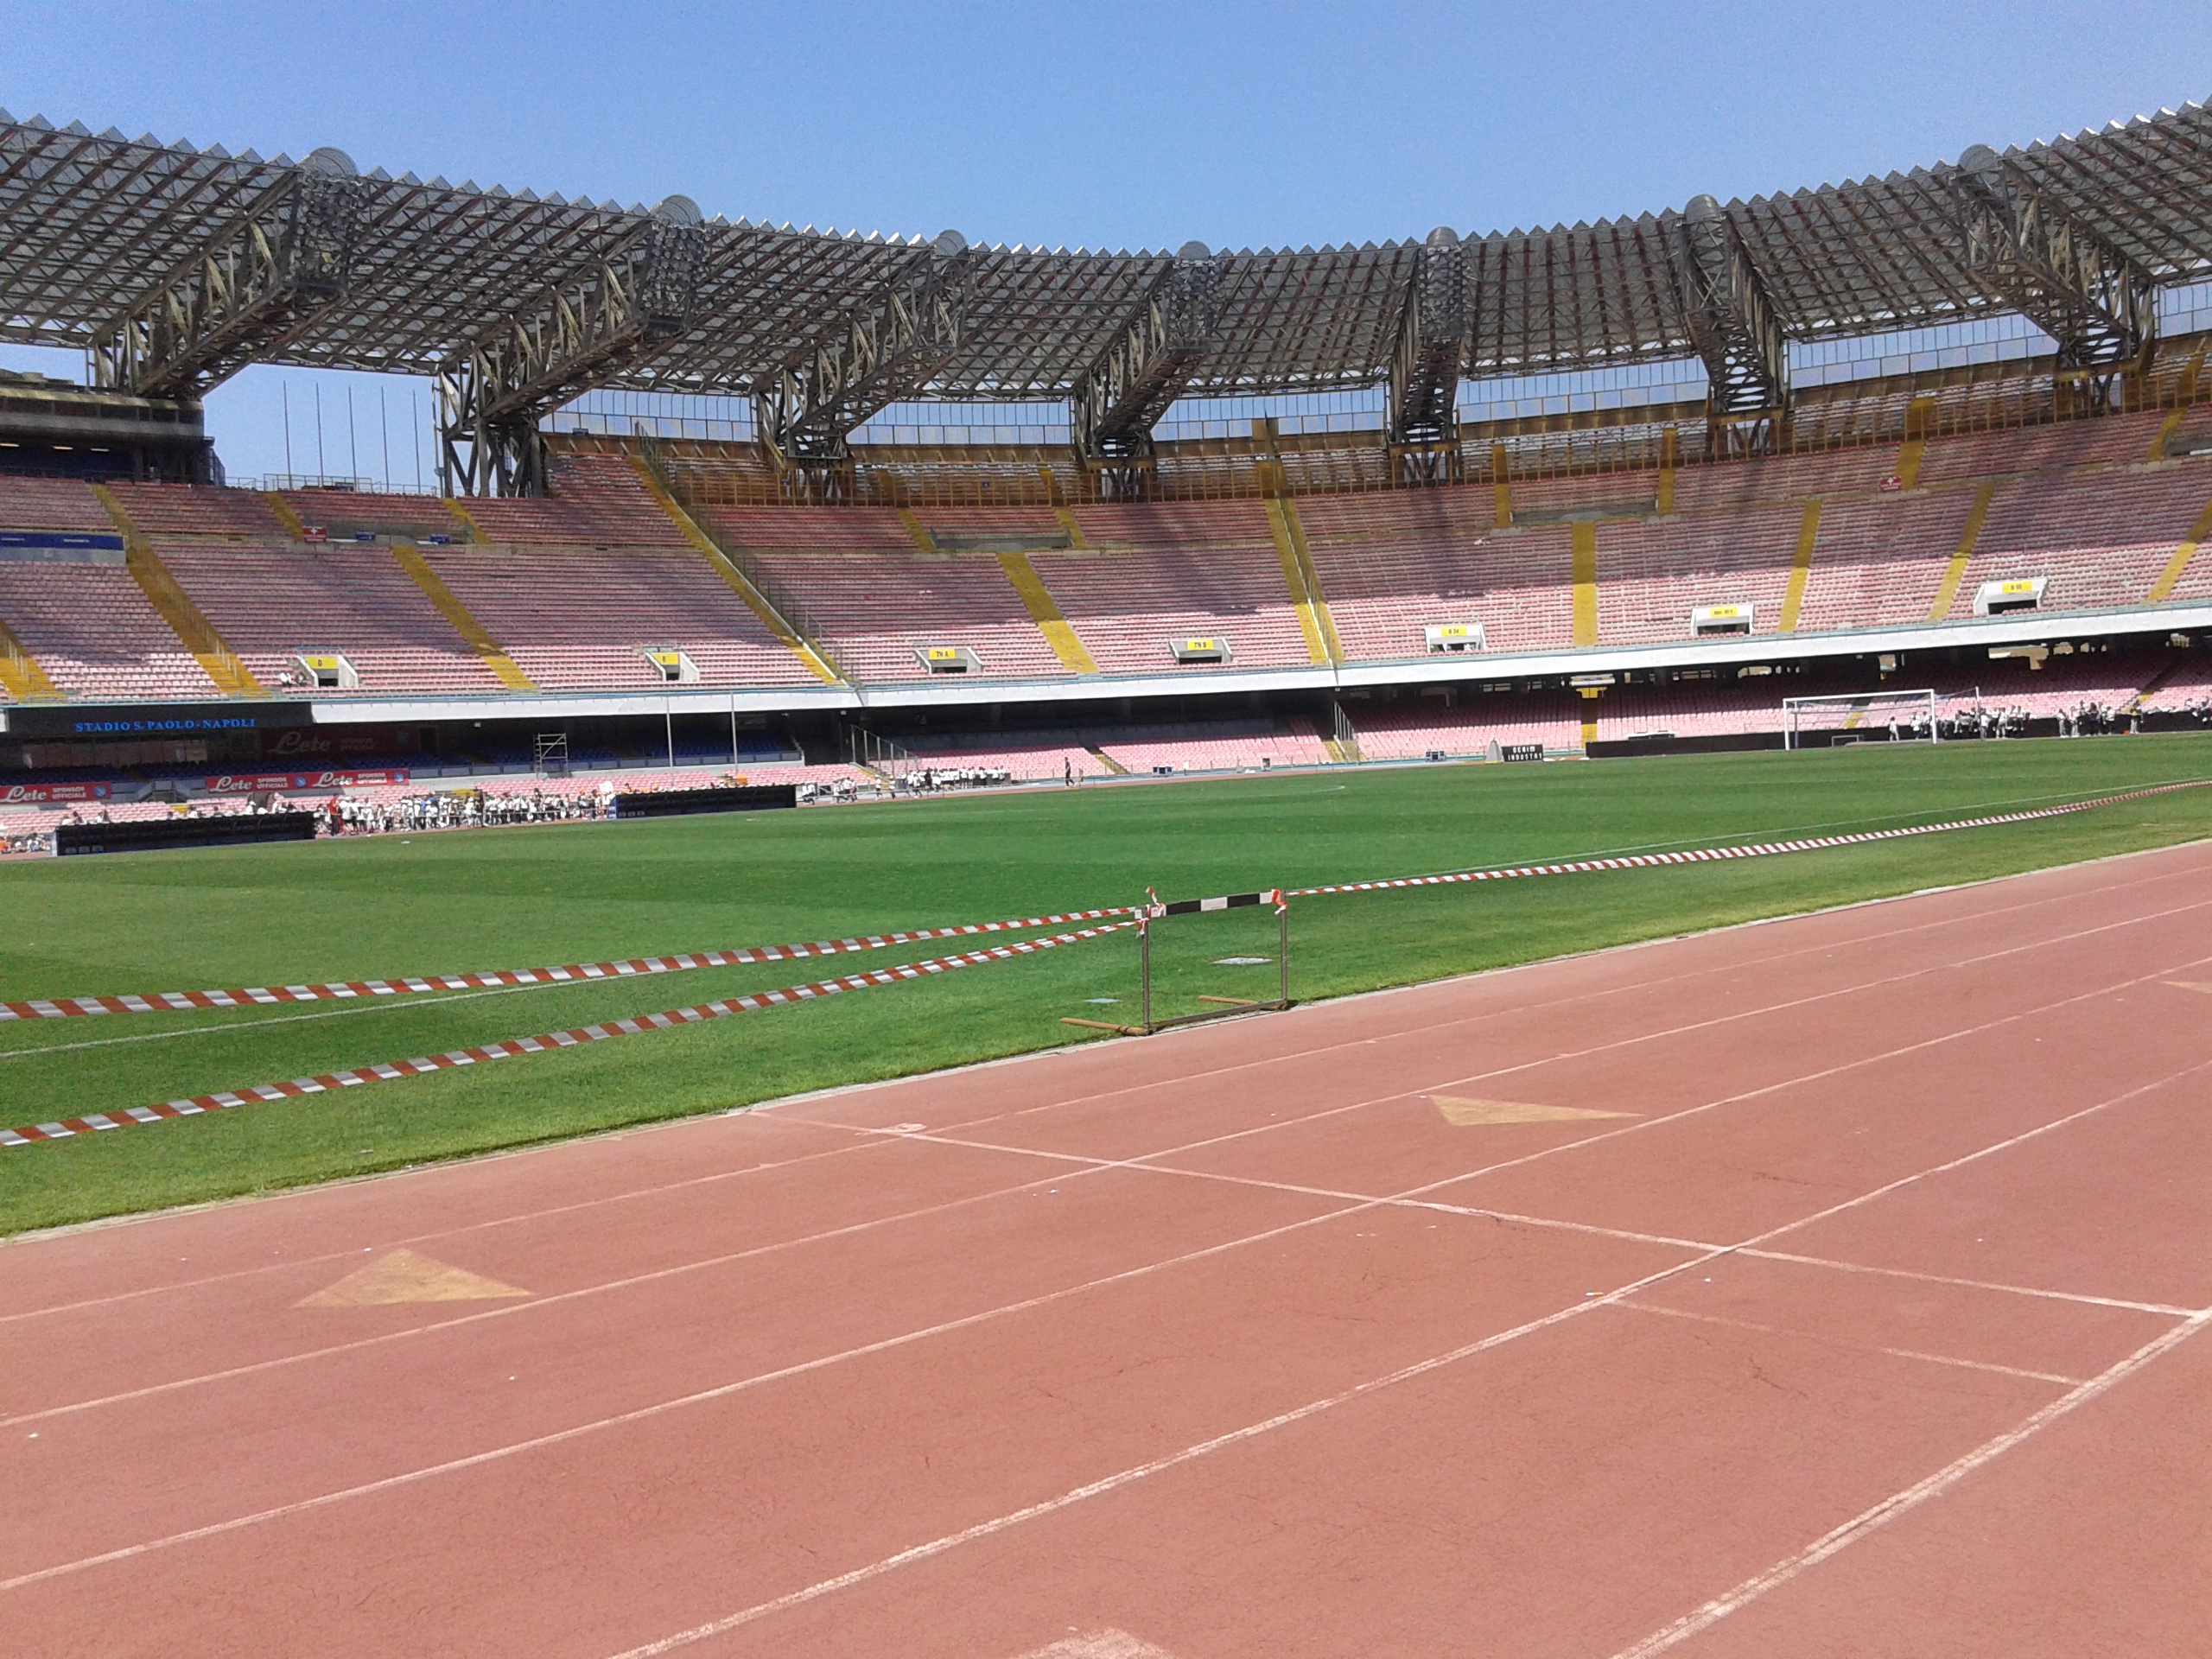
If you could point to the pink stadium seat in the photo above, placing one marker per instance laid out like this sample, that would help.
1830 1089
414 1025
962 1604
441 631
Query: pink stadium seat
1199 748
50 504
1391 565
1879 560
1407 728
877 608
1653 573
269 604
574 618
92 630
596 499
2101 538
197 510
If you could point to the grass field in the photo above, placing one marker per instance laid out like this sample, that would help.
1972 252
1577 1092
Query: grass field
521 898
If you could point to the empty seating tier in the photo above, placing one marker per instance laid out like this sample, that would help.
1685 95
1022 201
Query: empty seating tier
1652 574
1390 565
195 509
576 618
1157 572
879 609
2101 539
50 504
394 517
596 499
271 604
92 630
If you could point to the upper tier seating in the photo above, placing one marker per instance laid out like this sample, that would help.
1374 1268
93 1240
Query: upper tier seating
1727 484
1391 565
269 604
1160 571
395 517
845 528
1651 574
90 629
195 509
50 504
596 499
1597 494
2040 449
876 609
2102 538
1880 560
574 618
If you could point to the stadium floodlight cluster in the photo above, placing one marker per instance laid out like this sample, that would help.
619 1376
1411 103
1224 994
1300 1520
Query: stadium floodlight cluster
195 249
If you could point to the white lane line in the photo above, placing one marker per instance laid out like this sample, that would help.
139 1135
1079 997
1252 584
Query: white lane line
1522 1010
1085 1163
722 1391
2165 1309
507 1310
1128 1477
661 1407
521 1217
1860 1347
1910 1498
1361 1390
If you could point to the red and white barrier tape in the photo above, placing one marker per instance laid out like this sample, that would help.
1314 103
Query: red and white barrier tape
1754 849
67 1127
752 1002
253 995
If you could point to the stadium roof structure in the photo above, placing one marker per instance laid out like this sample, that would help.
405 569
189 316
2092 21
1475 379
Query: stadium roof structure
100 234
88 220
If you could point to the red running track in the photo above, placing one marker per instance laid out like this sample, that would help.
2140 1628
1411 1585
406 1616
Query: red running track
1873 1326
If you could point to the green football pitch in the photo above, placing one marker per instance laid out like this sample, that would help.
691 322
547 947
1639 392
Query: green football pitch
470 901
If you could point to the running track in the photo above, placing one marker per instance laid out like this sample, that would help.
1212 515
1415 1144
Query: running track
1877 1330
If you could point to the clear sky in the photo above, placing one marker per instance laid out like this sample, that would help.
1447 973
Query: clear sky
1108 125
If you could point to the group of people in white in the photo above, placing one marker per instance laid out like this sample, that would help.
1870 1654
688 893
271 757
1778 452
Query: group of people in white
2084 719
930 779
346 814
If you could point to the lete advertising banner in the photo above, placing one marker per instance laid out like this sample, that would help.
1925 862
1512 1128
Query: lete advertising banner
250 783
39 794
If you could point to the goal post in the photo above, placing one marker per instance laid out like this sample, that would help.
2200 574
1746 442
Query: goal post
1860 717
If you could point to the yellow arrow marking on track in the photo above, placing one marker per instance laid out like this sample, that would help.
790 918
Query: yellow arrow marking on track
403 1276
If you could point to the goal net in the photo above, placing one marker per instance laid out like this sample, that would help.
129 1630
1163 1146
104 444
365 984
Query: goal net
1858 717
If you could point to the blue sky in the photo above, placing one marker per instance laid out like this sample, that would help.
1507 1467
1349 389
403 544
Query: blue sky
1115 125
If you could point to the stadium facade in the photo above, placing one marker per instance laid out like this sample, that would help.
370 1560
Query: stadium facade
1945 425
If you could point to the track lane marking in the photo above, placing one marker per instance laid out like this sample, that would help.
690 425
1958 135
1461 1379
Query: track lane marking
1043 1298
1087 1163
1911 1497
781 1109
1859 1347
1420 1367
